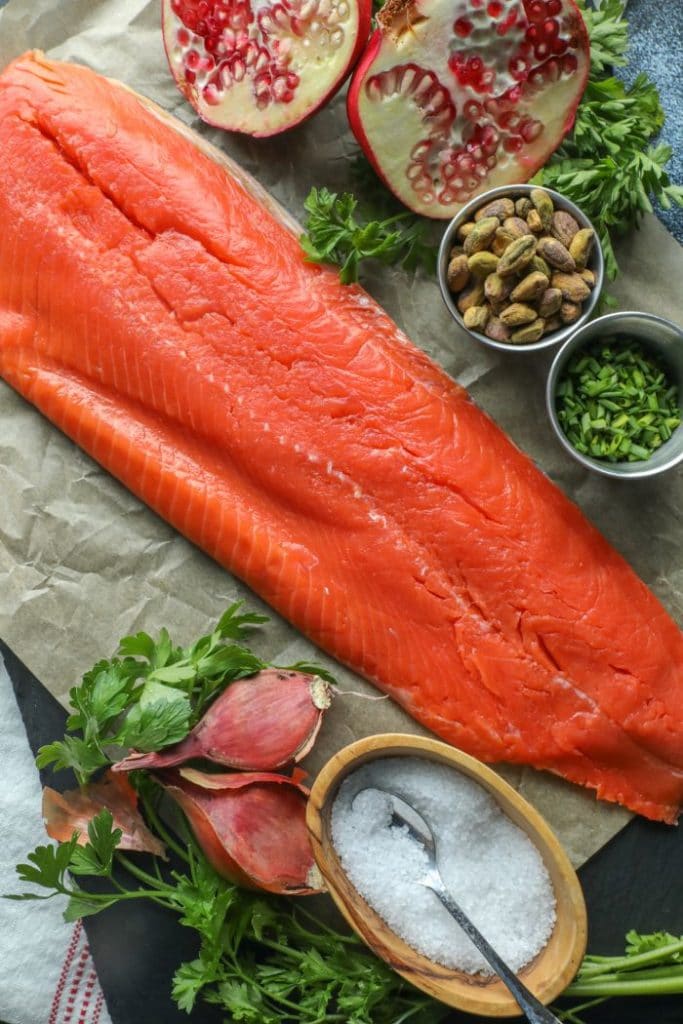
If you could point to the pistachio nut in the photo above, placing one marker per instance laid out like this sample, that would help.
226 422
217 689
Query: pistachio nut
517 314
529 333
552 324
522 206
500 208
496 330
517 256
540 264
534 222
572 286
516 226
580 247
569 312
554 253
483 263
481 234
543 205
530 287
563 227
458 273
476 317
501 240
472 295
464 230
589 277
550 303
496 288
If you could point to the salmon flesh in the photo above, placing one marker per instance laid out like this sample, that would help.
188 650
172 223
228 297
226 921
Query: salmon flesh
159 311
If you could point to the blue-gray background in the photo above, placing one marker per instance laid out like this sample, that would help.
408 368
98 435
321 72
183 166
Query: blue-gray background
656 47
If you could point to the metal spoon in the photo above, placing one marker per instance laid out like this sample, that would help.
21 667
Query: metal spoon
405 815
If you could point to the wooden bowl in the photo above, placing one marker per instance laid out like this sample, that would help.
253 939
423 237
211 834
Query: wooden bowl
552 969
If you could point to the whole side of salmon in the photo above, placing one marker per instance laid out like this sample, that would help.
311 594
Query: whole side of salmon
155 305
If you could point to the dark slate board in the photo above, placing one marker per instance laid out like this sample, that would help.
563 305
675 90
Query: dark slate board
634 882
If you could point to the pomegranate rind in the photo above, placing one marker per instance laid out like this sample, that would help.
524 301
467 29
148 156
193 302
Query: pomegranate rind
437 133
271 81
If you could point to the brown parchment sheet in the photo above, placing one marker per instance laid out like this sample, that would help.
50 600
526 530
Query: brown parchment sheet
83 562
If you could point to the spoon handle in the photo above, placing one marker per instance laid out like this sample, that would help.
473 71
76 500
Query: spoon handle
535 1011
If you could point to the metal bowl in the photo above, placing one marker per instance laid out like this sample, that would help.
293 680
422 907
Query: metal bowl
595 263
664 339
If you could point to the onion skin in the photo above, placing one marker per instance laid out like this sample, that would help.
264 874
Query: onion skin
251 827
257 724
66 813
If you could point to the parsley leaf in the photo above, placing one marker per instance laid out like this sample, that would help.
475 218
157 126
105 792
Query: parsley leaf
336 234
609 165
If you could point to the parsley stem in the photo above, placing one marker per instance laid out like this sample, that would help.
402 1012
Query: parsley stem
144 876
630 963
163 832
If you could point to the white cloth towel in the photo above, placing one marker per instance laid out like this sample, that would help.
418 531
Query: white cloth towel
46 972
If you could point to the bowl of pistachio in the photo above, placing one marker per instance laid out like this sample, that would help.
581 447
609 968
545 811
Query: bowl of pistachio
520 268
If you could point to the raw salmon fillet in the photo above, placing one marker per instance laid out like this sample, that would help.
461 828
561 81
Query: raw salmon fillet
159 311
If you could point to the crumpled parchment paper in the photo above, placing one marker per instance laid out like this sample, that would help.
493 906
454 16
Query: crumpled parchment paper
83 563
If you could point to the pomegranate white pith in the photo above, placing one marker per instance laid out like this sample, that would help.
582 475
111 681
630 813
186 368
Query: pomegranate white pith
261 66
453 97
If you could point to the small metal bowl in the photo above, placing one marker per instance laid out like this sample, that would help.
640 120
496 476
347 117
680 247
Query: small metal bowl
595 263
665 340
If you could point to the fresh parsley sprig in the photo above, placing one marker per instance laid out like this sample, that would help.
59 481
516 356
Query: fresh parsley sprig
261 959
337 234
651 965
609 165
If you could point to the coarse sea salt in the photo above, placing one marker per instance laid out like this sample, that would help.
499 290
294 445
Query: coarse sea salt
488 864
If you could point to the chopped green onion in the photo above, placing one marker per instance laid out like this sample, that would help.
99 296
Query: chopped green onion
615 402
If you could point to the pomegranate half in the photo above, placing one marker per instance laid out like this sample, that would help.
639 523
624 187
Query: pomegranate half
453 97
261 66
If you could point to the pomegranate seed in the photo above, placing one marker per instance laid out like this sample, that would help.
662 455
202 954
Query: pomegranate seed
202 28
554 7
494 9
536 11
190 19
518 68
192 60
472 110
176 6
558 46
532 33
463 27
183 37
292 80
569 64
190 77
238 69
211 95
513 144
550 28
203 9
530 130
